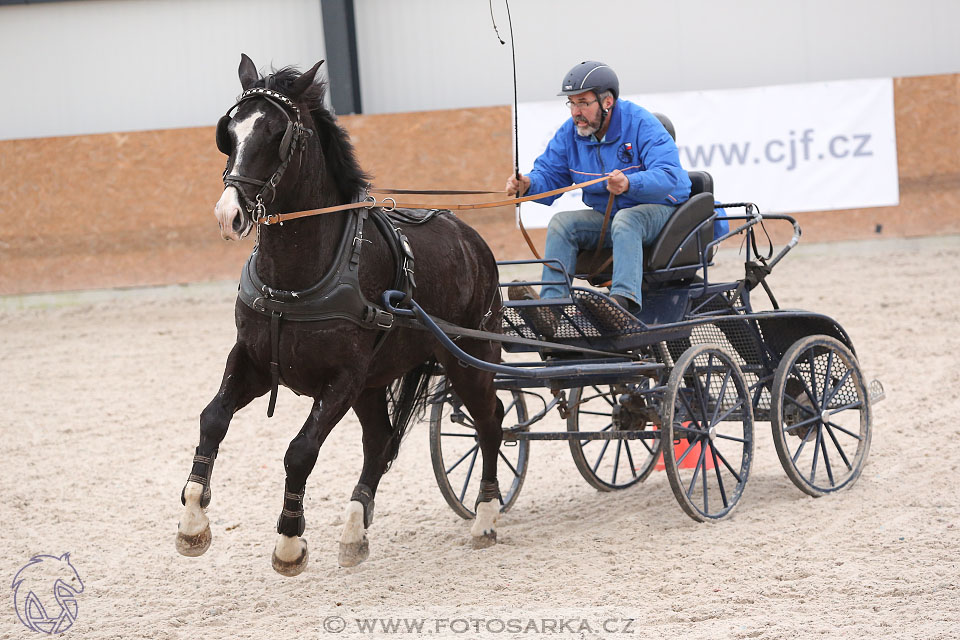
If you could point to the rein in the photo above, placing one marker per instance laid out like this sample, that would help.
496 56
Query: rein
389 204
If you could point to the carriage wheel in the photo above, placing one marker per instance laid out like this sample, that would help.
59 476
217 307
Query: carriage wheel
708 431
820 415
455 451
609 465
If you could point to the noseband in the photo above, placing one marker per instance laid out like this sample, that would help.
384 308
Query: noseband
293 139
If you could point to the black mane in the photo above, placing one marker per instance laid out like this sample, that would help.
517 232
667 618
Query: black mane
338 153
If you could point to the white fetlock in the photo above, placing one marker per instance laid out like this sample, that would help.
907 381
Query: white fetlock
193 530
484 529
354 547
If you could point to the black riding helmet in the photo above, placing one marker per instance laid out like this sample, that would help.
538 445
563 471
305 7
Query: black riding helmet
590 76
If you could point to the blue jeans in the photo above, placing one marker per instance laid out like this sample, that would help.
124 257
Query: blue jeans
630 230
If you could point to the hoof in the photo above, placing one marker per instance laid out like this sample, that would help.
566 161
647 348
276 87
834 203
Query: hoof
291 568
193 546
353 553
488 539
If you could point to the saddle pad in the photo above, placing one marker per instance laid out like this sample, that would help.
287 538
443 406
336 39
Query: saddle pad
413 216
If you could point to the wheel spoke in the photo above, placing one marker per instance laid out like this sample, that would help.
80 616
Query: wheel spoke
696 469
727 465
720 396
856 404
690 412
800 378
837 445
800 424
734 438
512 469
730 411
716 466
803 443
701 400
826 379
646 446
458 435
826 461
811 359
462 458
842 381
816 455
795 403
633 467
687 452
600 457
466 480
703 456
839 428
705 397
593 413
616 462
584 443
680 427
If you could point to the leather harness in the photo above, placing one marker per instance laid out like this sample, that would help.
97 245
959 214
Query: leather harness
337 295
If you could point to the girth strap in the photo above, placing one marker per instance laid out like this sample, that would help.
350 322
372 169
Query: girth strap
274 360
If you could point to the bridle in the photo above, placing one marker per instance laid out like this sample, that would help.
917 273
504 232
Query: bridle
293 139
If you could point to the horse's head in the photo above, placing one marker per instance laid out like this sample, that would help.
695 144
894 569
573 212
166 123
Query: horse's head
264 136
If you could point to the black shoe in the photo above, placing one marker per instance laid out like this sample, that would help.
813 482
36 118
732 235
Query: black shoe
542 320
628 305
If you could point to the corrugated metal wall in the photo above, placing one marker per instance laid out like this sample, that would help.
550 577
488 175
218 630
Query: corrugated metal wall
114 65
434 54
117 65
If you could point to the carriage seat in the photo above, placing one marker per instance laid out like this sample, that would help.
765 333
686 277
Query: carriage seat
657 267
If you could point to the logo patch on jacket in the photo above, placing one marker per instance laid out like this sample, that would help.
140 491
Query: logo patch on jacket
625 152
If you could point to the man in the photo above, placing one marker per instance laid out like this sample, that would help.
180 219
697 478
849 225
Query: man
606 135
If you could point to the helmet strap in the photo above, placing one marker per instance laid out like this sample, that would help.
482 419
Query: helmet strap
603 110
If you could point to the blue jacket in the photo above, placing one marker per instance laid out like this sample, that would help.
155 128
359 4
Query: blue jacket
634 137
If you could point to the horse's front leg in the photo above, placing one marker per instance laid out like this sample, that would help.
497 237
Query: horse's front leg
290 553
478 394
241 384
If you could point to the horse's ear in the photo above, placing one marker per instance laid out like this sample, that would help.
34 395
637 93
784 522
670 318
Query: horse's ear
248 72
303 83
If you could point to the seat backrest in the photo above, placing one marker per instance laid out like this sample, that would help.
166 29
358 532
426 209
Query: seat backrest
667 124
661 264
700 182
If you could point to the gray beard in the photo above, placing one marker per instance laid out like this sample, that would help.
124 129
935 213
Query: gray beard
587 129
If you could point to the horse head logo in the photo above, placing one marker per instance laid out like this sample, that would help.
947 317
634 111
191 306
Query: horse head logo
45 593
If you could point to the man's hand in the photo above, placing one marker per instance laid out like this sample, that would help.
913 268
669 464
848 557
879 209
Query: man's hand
618 182
518 187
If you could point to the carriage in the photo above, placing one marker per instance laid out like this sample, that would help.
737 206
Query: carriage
329 308
678 388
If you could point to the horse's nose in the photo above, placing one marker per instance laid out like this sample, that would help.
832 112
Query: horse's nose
227 211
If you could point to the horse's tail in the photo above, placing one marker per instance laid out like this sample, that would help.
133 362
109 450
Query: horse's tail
408 395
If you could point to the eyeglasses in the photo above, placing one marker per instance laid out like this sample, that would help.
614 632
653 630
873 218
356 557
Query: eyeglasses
579 105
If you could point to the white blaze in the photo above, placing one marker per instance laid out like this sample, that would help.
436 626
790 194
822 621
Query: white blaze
227 208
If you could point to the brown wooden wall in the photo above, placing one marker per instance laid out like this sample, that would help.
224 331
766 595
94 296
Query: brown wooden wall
130 209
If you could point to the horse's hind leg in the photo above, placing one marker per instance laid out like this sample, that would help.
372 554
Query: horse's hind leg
378 450
475 388
290 553
240 385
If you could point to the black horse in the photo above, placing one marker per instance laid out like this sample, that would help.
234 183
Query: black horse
286 154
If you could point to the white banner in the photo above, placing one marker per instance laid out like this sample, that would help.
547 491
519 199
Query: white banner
788 148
